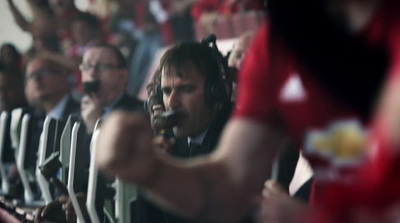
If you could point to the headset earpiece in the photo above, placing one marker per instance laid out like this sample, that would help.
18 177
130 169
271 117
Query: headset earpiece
159 94
145 106
218 89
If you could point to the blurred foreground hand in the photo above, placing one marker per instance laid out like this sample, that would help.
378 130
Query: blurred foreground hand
125 147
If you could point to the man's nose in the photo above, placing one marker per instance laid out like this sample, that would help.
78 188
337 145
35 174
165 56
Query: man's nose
92 74
37 78
174 100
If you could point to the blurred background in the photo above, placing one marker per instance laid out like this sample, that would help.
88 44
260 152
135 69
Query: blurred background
11 33
61 31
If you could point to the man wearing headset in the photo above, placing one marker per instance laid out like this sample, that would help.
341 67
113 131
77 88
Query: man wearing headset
223 187
192 85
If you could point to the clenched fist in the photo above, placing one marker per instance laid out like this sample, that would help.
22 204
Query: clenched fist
125 149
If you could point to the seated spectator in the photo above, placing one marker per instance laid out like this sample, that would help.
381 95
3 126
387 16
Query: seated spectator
237 55
85 29
206 12
50 18
11 90
189 72
48 94
50 28
298 93
122 26
152 31
10 58
11 97
240 49
64 11
104 63
181 19
48 89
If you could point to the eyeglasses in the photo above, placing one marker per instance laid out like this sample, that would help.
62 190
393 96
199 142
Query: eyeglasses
84 67
42 73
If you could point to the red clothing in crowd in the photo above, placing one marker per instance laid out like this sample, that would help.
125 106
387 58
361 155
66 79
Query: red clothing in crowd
64 34
142 13
221 6
331 134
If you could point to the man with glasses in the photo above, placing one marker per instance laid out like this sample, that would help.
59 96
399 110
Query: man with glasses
47 89
104 63
105 66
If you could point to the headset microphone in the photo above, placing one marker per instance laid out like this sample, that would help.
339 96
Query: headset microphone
210 39
91 87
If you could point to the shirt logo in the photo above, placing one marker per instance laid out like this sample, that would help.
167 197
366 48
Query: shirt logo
342 143
293 90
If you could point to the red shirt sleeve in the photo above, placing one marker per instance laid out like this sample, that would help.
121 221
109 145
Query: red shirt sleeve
202 6
255 92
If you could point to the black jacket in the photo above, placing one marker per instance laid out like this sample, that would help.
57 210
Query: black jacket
145 211
72 107
128 103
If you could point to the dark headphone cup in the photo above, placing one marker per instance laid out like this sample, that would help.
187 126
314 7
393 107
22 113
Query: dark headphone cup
216 92
158 93
145 106
218 89
158 97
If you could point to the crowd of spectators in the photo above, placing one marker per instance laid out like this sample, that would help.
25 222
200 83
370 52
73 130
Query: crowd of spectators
139 28
115 46
219 137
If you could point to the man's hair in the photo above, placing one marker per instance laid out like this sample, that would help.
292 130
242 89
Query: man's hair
186 53
49 63
7 71
11 74
87 18
118 55
10 47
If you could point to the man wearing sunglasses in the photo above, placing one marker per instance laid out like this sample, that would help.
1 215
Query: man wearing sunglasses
104 64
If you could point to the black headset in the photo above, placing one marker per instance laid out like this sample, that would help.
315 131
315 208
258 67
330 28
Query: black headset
218 90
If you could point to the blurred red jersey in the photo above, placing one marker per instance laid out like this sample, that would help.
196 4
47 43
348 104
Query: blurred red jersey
349 157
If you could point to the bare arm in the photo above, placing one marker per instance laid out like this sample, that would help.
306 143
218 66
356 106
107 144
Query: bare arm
221 187
19 18
37 11
179 7
67 62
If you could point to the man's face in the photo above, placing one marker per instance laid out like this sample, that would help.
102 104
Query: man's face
81 32
105 68
45 81
186 95
237 55
61 7
239 51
